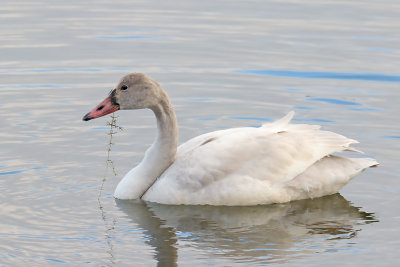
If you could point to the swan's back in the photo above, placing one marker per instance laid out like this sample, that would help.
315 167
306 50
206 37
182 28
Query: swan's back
275 163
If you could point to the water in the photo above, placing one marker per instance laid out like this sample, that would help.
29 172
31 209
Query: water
224 64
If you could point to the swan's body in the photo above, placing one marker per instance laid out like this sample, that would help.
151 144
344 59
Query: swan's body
275 163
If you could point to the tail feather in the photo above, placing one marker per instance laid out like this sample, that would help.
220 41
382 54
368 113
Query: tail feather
327 176
366 162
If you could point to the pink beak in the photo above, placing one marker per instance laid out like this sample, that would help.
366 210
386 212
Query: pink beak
107 106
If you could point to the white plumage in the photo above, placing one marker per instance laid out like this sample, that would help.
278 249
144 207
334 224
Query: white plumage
275 163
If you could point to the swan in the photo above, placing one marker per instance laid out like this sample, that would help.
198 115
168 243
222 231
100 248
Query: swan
275 163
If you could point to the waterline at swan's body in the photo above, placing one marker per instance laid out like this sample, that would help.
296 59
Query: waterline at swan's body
275 163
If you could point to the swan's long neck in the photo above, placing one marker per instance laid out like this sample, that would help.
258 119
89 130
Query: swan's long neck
157 158
167 132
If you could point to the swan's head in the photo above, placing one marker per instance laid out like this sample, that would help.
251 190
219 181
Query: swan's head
134 91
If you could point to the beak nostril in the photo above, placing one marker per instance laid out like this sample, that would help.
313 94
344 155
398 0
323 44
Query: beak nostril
103 108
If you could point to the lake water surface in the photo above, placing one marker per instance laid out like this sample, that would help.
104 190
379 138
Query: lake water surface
224 64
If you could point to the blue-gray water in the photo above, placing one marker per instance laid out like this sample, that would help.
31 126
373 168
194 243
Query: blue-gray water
224 64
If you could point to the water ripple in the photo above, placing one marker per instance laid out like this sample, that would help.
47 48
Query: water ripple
313 120
50 70
325 75
335 101
55 260
250 118
391 136
126 37
21 171
302 107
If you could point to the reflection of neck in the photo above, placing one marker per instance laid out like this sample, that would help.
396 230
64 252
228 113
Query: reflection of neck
157 158
159 236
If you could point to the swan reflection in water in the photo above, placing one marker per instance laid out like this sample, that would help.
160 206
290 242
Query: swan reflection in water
254 234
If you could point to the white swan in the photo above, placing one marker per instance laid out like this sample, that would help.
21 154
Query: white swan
275 163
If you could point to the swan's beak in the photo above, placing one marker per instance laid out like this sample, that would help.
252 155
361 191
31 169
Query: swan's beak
107 106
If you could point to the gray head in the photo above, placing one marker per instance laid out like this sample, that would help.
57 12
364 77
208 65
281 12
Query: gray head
134 91
137 91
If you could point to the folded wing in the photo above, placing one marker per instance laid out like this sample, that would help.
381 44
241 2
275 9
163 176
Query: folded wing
245 166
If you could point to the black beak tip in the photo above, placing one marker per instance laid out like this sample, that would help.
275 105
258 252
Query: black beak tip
87 117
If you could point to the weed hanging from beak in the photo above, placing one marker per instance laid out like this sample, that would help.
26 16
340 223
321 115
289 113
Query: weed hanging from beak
114 128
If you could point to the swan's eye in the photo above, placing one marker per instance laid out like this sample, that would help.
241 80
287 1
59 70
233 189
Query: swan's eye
124 87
